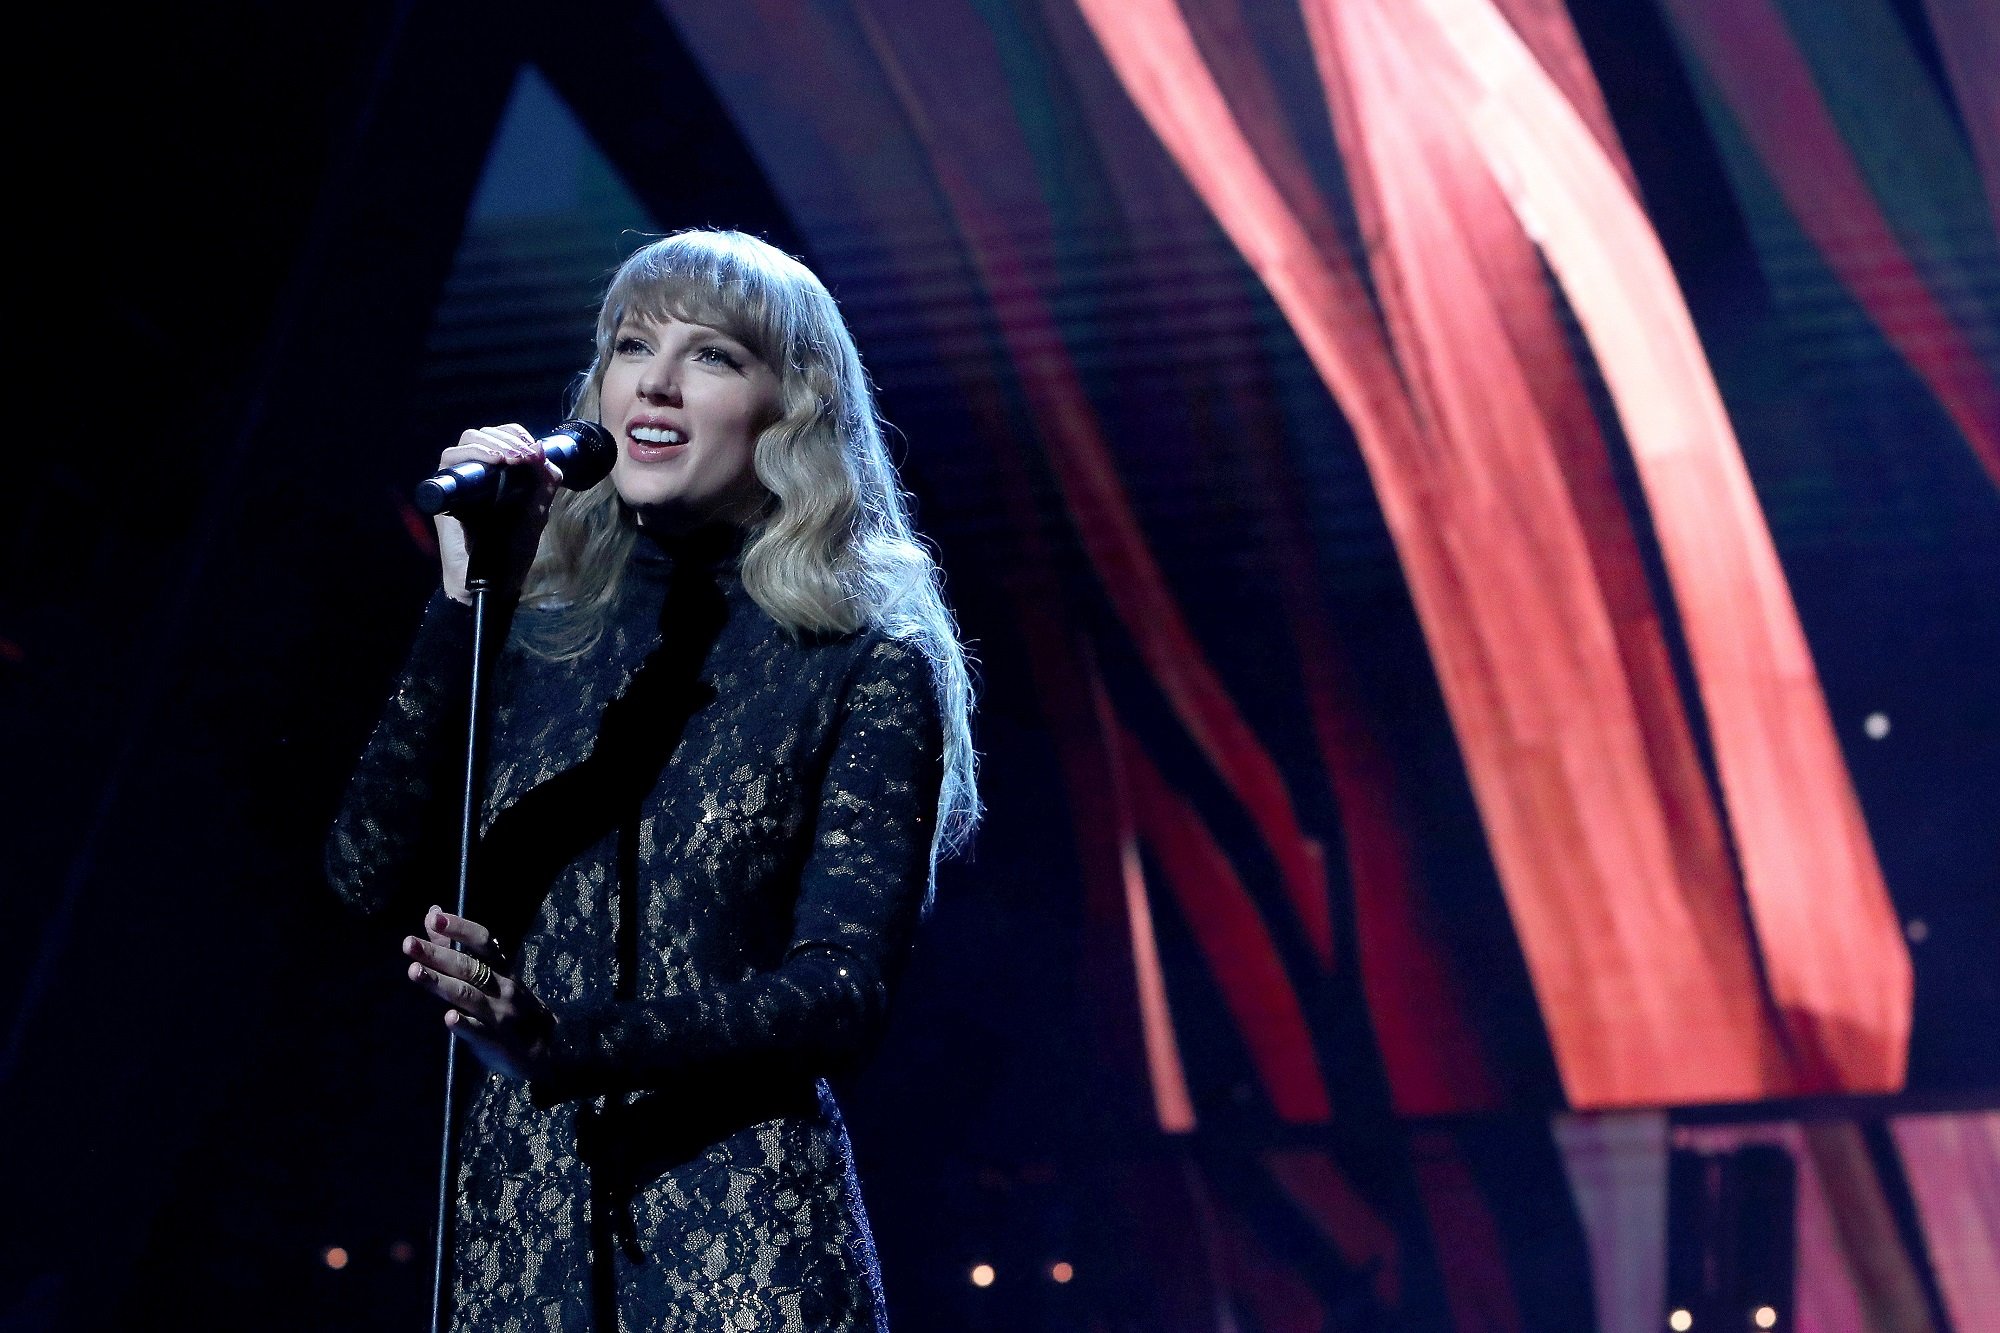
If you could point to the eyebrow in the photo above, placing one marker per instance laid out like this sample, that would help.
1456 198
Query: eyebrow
631 324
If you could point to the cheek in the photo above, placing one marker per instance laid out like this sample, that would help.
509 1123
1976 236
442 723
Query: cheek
623 480
760 414
613 387
742 460
741 425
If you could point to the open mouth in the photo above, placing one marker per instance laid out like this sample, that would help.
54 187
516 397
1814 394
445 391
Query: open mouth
652 444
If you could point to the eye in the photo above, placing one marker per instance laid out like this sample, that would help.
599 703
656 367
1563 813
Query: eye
713 355
629 346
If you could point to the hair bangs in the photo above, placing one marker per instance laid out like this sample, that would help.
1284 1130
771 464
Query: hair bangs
704 279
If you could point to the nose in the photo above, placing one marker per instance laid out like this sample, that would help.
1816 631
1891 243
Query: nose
659 383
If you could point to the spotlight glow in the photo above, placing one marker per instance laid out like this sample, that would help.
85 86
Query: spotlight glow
1062 1272
1680 1321
335 1257
982 1275
1764 1317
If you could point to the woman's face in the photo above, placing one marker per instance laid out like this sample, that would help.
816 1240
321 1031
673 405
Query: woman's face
687 403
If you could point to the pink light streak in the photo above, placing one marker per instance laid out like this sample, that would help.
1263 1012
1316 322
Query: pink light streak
1953 1165
1833 949
1580 757
1611 951
1234 940
1173 1107
1417 1002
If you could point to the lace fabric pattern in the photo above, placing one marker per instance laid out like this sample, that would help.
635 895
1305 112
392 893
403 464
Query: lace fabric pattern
712 842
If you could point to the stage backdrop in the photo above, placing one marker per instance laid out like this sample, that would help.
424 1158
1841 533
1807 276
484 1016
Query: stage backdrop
1480 524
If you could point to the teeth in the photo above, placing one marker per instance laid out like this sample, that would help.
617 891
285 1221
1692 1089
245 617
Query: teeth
655 435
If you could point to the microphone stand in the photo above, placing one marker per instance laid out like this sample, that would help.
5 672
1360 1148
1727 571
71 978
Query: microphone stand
491 496
479 585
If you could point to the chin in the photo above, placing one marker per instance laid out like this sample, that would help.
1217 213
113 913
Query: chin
648 497
647 492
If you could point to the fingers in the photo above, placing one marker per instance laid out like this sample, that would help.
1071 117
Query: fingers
447 930
453 965
456 978
454 990
503 1022
493 444
485 1043
550 481
448 973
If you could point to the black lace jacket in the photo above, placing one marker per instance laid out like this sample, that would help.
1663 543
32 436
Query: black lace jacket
711 841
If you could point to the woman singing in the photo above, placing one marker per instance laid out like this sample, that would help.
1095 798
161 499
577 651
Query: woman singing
729 742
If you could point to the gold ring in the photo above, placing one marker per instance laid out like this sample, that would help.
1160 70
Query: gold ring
481 974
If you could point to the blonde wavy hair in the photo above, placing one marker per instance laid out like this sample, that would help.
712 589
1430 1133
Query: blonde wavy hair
833 550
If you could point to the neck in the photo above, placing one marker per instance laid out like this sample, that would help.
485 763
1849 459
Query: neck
671 520
716 539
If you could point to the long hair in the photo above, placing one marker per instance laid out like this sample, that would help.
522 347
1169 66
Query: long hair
833 550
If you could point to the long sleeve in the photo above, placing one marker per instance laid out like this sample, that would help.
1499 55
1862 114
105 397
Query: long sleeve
398 801
861 892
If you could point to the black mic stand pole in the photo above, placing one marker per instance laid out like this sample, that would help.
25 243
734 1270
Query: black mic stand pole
492 498
479 585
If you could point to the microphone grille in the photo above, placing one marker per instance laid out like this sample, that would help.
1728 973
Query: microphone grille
589 460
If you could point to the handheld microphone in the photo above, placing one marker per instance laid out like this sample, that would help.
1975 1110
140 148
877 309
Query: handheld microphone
583 450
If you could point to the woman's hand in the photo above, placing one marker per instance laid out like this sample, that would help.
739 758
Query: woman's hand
499 1018
521 527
